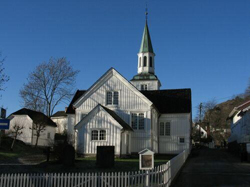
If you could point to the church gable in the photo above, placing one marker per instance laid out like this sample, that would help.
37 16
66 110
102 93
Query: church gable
112 90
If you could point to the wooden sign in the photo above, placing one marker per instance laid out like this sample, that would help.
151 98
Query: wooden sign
146 159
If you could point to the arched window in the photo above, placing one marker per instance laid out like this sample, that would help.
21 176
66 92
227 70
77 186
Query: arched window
151 62
145 61
140 62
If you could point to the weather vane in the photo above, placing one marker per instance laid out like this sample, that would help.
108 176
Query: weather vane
146 12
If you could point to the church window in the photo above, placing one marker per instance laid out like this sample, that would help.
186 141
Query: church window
145 61
137 121
141 121
144 87
98 135
109 98
94 135
165 129
115 100
151 62
112 98
140 62
102 135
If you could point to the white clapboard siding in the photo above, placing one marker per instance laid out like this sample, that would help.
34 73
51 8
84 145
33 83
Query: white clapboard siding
128 100
99 120
160 176
180 128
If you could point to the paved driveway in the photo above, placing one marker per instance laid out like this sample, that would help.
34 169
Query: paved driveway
216 168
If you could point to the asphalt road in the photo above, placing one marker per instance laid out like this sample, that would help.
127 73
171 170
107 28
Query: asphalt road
214 168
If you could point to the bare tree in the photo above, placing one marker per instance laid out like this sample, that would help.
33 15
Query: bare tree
38 128
3 77
48 85
15 132
247 92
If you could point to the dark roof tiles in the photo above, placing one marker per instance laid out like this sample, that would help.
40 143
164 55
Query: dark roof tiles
170 101
37 117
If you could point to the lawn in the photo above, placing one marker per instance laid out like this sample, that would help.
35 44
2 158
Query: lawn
20 150
87 164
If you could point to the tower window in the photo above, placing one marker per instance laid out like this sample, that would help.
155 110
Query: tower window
144 61
144 87
151 62
140 62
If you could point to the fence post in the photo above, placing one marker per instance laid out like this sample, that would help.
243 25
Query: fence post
147 178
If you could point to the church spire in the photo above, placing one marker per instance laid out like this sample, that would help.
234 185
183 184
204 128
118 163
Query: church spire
146 78
146 44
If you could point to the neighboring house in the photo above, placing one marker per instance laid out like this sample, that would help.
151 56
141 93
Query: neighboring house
131 115
240 123
60 118
28 118
201 131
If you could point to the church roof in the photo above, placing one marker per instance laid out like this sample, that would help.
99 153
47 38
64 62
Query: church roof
118 119
78 94
170 101
59 114
146 44
37 117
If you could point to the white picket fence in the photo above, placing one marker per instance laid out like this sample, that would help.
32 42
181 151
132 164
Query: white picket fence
160 176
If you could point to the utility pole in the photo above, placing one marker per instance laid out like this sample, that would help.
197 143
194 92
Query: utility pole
200 109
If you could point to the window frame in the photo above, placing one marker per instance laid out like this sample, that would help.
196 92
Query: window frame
164 134
144 86
151 61
99 135
145 59
138 121
112 98
179 139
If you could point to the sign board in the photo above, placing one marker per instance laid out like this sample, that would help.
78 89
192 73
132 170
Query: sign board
4 124
248 147
146 159
3 113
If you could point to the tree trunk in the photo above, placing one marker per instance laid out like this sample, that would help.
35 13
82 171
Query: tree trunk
13 142
36 140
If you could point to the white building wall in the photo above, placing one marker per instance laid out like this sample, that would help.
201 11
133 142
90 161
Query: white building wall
44 139
180 128
154 133
128 100
26 122
129 103
28 135
100 120
70 127
61 123
152 84
240 128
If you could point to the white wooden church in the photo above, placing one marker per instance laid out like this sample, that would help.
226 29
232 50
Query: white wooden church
131 115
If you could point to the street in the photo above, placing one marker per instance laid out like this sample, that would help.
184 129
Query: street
214 168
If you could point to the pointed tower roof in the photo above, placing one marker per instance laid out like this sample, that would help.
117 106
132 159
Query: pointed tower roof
146 44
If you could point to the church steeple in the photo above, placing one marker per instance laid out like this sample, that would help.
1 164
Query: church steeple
146 78
146 44
146 54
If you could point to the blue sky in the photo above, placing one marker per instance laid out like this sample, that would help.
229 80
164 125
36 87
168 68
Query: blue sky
199 44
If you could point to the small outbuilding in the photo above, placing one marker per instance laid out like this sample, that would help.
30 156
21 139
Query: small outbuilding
27 119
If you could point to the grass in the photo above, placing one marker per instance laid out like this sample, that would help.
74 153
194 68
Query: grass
88 164
20 149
